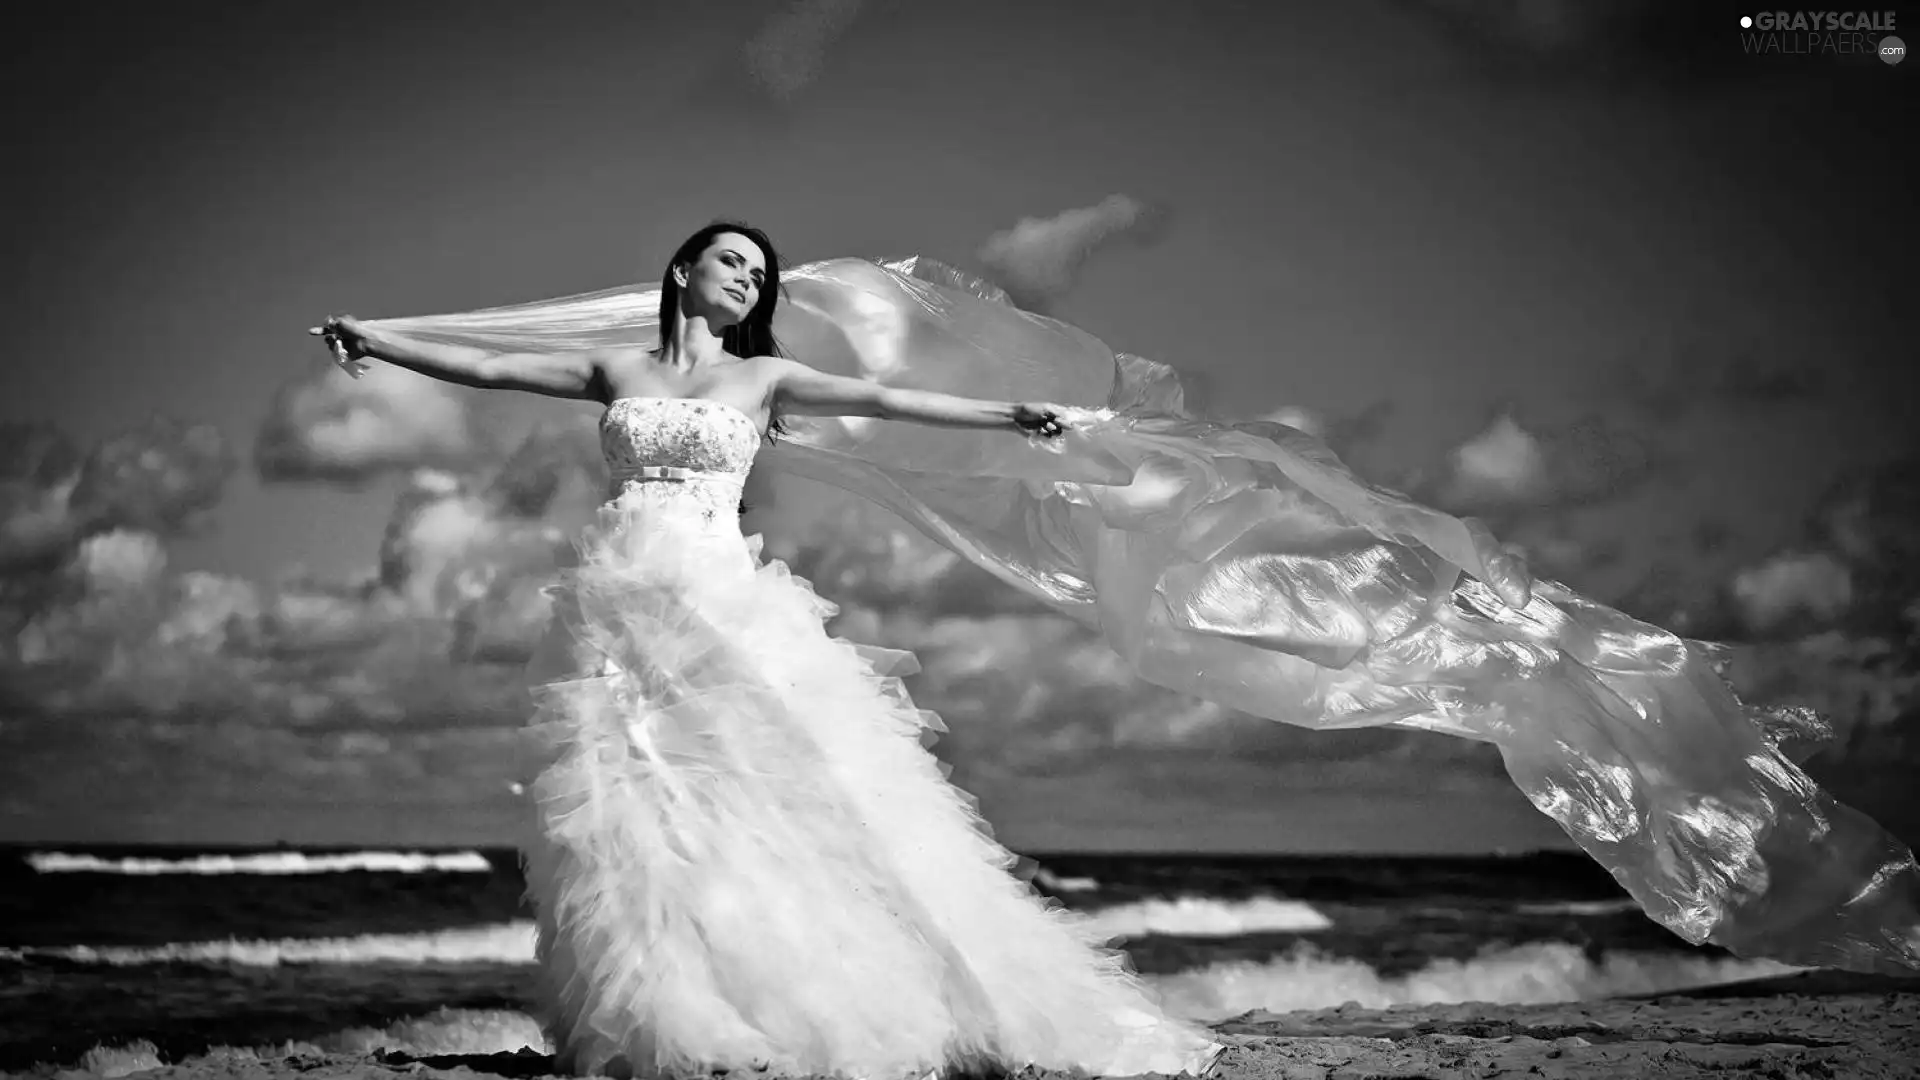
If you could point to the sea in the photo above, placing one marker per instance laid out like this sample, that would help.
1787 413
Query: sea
430 952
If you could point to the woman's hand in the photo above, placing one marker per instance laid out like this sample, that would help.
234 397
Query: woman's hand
347 337
1039 418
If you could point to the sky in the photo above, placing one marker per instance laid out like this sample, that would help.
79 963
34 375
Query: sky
1587 269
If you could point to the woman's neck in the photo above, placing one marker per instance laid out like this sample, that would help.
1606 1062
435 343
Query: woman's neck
693 343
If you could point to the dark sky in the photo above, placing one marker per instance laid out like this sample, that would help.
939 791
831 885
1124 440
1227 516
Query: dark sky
1682 269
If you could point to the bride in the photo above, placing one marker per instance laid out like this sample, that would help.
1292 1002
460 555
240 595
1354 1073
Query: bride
745 858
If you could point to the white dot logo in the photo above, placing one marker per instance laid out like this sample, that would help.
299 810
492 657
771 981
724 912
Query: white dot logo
1746 22
1892 49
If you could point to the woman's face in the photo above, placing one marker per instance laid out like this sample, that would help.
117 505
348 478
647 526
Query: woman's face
725 282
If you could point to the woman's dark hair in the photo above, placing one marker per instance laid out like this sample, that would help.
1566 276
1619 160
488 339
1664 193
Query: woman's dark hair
751 336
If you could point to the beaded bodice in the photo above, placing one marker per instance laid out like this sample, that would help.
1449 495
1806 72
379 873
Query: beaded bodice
689 453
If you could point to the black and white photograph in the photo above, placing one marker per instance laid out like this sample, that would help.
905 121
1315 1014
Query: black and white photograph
960 540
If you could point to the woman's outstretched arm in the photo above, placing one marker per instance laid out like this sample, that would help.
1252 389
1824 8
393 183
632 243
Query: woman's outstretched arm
561 374
802 390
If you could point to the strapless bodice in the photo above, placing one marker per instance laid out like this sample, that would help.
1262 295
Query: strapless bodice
677 433
692 452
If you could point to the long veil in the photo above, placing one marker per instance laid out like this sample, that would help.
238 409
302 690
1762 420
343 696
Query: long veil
1243 563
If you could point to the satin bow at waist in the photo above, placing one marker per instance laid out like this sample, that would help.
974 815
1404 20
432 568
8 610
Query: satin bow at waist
673 473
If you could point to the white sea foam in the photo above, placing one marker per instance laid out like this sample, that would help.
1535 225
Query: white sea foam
1197 916
1527 974
444 1031
512 942
499 943
275 862
1534 974
1580 907
1539 973
1053 882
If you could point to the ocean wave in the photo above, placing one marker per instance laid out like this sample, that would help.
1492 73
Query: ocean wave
443 1031
1305 978
499 943
1198 916
512 942
1053 882
1580 907
276 862
1542 973
1527 974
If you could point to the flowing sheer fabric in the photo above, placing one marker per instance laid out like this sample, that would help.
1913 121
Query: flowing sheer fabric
1245 564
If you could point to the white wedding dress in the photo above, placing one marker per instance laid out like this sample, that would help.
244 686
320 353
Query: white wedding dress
745 858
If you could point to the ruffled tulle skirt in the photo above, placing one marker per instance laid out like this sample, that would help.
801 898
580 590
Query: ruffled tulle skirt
745 858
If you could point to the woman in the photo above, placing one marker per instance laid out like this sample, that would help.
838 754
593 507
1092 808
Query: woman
1242 563
745 858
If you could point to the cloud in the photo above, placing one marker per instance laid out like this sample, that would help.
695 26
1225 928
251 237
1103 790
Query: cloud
1871 519
105 627
1503 464
462 555
1853 569
1539 486
197 693
159 478
206 610
786 54
864 557
40 467
107 593
1510 468
555 470
1039 259
1792 588
331 427
406 688
476 532
474 536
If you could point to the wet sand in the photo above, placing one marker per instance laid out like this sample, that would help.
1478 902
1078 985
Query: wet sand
1778 1035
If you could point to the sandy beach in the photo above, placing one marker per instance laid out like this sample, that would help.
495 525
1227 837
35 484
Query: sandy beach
1835 1027
1766 1030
